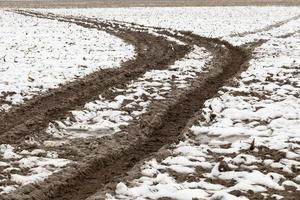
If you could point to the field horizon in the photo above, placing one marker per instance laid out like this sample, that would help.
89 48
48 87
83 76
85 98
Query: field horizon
140 3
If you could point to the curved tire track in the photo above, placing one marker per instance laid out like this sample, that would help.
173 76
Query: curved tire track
34 116
160 126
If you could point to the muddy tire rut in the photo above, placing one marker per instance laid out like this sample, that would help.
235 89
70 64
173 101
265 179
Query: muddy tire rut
33 117
160 126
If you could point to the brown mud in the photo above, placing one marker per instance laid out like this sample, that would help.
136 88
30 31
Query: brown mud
112 161
160 126
262 152
34 116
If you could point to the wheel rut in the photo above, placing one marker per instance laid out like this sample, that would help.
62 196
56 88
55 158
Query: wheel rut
172 122
152 52
160 126
267 28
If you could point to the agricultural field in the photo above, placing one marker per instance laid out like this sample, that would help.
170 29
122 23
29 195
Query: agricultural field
150 103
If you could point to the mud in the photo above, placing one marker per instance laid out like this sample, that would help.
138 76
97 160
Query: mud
263 152
34 116
116 155
227 63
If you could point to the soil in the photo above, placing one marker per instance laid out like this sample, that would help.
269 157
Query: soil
34 116
116 155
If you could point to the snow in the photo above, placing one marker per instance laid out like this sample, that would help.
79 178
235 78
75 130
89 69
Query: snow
7 152
105 116
167 188
290 27
216 156
19 168
206 21
252 143
39 54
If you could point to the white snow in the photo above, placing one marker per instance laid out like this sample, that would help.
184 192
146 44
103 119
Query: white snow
205 21
26 167
262 109
103 116
39 54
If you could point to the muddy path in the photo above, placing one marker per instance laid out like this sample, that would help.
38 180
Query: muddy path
152 52
160 126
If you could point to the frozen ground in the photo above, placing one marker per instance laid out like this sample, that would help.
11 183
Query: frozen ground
106 116
98 118
245 144
21 166
205 21
288 29
38 54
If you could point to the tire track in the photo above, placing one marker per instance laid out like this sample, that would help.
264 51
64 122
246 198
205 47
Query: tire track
227 63
265 29
153 52
160 126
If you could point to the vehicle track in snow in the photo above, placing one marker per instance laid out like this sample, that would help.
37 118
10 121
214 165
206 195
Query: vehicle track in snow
152 52
267 28
160 126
